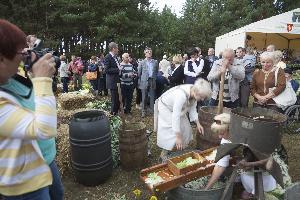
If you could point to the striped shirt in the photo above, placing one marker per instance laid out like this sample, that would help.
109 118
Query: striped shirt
126 71
226 94
22 167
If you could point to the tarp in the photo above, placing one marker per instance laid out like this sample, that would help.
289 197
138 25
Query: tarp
281 30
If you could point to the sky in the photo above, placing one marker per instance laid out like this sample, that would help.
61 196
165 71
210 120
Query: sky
176 5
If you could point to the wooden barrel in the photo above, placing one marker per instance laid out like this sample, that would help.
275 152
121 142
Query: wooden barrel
133 146
206 118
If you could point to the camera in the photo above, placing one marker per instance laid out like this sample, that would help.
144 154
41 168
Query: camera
39 52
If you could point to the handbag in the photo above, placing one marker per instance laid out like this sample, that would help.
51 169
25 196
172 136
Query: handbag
91 75
286 98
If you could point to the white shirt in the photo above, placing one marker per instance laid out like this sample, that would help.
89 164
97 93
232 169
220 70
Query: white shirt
224 162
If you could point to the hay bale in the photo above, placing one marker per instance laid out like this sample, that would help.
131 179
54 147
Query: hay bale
75 100
65 116
63 156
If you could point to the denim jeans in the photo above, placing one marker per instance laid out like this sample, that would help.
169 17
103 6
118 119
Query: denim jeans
65 81
56 190
40 194
94 84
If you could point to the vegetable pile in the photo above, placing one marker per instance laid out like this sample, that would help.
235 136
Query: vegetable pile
115 124
202 182
153 178
187 162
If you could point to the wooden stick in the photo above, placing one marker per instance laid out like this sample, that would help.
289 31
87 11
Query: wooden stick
121 106
221 91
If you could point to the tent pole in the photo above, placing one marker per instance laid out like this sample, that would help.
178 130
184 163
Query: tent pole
266 40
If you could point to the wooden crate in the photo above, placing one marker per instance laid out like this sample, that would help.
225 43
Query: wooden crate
172 181
177 171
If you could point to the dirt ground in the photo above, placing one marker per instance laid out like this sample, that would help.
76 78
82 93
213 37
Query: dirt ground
122 184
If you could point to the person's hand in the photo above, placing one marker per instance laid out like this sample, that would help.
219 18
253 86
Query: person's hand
179 145
44 67
225 63
260 99
244 165
200 129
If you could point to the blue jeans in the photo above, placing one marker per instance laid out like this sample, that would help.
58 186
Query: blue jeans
40 194
65 81
56 190
94 84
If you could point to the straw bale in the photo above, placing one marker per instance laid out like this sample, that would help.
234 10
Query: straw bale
74 100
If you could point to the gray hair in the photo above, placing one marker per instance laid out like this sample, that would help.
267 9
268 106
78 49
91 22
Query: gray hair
267 56
112 45
202 86
271 47
277 56
228 51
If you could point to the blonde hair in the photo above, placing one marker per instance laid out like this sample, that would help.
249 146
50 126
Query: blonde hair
202 86
222 124
177 59
124 55
267 56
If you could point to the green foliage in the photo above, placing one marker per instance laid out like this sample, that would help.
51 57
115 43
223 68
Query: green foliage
83 27
115 124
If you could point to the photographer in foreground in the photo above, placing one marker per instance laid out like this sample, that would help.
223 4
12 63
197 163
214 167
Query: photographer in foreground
27 114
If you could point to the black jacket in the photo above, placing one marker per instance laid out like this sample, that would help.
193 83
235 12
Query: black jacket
177 77
112 72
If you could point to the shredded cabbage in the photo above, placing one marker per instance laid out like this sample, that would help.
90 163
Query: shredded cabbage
187 162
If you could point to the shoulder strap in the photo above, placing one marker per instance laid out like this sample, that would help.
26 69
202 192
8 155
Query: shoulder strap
276 76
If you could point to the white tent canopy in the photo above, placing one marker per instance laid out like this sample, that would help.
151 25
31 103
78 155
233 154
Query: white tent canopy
281 30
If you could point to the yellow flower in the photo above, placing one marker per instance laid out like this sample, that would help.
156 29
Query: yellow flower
137 192
153 198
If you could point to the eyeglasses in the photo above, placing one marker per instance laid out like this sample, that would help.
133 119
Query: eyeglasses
23 54
218 121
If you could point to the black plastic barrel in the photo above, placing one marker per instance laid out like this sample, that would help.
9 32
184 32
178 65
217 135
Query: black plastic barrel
261 128
90 142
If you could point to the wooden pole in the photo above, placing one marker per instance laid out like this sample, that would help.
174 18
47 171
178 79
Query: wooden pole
221 91
121 106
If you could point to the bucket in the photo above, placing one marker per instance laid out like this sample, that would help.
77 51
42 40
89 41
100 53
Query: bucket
133 146
90 143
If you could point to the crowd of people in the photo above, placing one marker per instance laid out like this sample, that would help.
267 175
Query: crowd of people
167 89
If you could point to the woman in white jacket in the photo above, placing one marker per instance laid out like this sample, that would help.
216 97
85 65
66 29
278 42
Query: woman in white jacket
173 127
